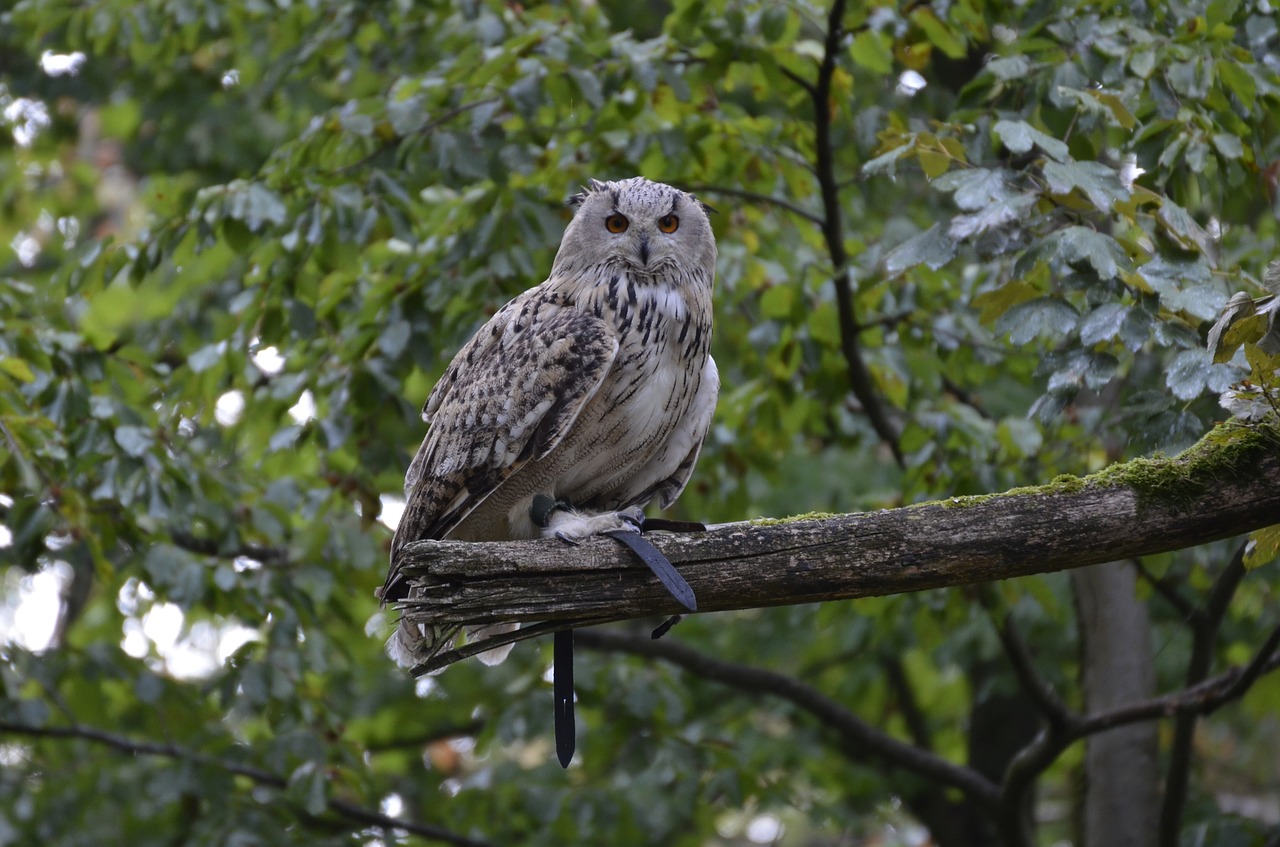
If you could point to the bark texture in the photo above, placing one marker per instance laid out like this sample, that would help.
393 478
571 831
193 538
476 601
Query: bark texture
1121 798
1227 484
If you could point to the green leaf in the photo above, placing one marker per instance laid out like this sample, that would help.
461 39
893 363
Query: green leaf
773 22
1095 180
886 163
1020 137
776 301
1264 547
207 356
933 248
1269 343
1008 68
16 368
934 161
1240 306
110 311
1188 374
1103 323
993 304
1008 212
873 51
1078 246
175 572
1185 285
1228 146
1142 63
1239 81
309 787
939 33
136 441
1044 317
1221 12
1192 78
1247 330
395 337
1019 436
976 188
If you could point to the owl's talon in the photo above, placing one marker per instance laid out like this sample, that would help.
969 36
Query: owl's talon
634 519
568 539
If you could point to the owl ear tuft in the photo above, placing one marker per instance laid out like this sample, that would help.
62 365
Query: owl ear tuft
706 208
573 201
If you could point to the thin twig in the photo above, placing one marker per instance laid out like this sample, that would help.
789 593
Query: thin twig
755 197
210 547
474 648
1165 589
134 747
797 79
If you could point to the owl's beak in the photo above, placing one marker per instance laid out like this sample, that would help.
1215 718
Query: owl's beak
644 250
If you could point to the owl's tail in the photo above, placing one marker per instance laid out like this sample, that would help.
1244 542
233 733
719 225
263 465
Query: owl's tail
412 644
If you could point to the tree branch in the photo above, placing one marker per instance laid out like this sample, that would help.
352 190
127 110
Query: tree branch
912 714
1199 699
755 197
860 380
1189 611
860 737
1007 801
133 747
1051 705
210 547
1226 485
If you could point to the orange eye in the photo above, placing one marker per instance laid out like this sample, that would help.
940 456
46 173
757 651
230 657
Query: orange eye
616 223
668 223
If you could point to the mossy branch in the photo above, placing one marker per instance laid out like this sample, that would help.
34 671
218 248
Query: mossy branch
1227 484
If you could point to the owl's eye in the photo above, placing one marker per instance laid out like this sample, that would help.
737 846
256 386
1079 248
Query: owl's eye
616 223
668 223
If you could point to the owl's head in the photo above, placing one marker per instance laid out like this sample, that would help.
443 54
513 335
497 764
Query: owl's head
651 229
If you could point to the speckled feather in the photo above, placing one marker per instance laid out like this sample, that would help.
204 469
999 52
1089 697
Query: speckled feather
595 387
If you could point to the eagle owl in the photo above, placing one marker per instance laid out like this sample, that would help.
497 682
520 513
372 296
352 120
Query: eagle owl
595 388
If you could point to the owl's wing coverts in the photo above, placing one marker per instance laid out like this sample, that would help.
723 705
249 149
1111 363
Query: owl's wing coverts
511 394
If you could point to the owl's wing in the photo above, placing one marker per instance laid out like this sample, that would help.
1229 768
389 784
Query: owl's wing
511 394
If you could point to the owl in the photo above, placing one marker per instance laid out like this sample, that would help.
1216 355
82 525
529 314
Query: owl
593 390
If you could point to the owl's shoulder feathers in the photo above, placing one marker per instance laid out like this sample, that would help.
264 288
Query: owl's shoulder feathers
511 393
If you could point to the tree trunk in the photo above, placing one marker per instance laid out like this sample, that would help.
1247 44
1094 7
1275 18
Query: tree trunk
1121 796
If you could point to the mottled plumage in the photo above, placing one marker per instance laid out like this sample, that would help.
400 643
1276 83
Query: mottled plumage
595 388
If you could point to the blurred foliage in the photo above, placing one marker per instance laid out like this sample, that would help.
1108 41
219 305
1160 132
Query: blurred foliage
244 239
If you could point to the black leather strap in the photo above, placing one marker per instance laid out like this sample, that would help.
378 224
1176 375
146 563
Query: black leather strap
660 565
562 690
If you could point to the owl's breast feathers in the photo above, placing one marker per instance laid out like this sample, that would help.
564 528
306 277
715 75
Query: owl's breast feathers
598 394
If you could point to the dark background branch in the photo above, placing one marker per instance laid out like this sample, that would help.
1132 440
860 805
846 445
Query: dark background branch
1005 802
860 380
1200 699
860 738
